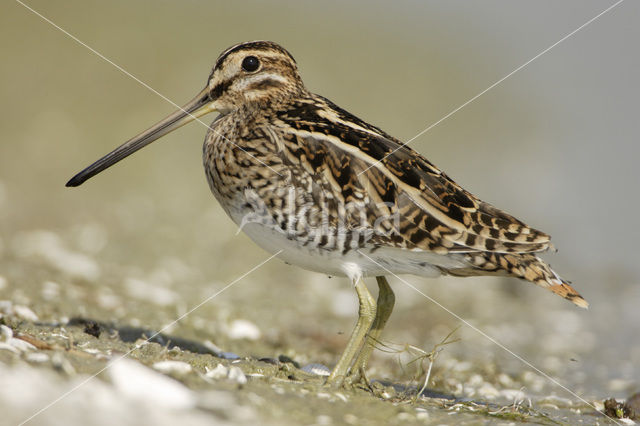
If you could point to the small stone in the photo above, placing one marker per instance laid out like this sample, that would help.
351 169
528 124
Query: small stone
237 375
422 414
7 347
21 345
5 333
219 372
25 313
172 367
233 373
135 381
12 344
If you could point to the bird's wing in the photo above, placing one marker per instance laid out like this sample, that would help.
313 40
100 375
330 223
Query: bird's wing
362 163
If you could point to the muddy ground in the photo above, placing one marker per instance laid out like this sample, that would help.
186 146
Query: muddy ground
93 342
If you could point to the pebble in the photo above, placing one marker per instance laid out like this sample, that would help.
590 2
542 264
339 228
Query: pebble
422 414
237 375
136 381
8 308
219 372
25 313
11 344
5 333
233 374
8 347
21 345
175 367
243 329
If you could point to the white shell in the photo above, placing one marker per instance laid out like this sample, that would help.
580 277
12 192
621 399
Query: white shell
317 369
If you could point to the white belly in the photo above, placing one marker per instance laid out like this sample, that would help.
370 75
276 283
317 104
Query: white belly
354 263
307 254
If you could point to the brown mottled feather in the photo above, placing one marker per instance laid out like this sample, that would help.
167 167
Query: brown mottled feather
338 159
493 241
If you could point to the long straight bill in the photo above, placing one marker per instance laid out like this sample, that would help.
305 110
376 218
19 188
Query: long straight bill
197 107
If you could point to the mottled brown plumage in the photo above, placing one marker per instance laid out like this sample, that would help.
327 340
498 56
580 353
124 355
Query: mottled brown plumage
332 193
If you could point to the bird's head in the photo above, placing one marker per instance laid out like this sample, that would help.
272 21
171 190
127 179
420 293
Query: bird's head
253 73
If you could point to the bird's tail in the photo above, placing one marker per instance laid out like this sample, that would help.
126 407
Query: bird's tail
527 266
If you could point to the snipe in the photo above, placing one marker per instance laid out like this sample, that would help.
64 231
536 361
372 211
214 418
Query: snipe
337 195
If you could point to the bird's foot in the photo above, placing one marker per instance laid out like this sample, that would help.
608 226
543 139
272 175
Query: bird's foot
355 379
358 378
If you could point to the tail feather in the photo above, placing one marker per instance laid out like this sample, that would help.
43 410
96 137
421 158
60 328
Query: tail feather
527 266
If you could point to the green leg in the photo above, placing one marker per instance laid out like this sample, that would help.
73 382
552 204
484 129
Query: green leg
386 300
366 313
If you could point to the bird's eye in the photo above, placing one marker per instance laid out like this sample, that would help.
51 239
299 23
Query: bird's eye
250 63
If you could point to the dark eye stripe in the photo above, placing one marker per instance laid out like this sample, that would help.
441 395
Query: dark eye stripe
220 88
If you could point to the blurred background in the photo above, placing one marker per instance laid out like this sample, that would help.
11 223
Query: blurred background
555 145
